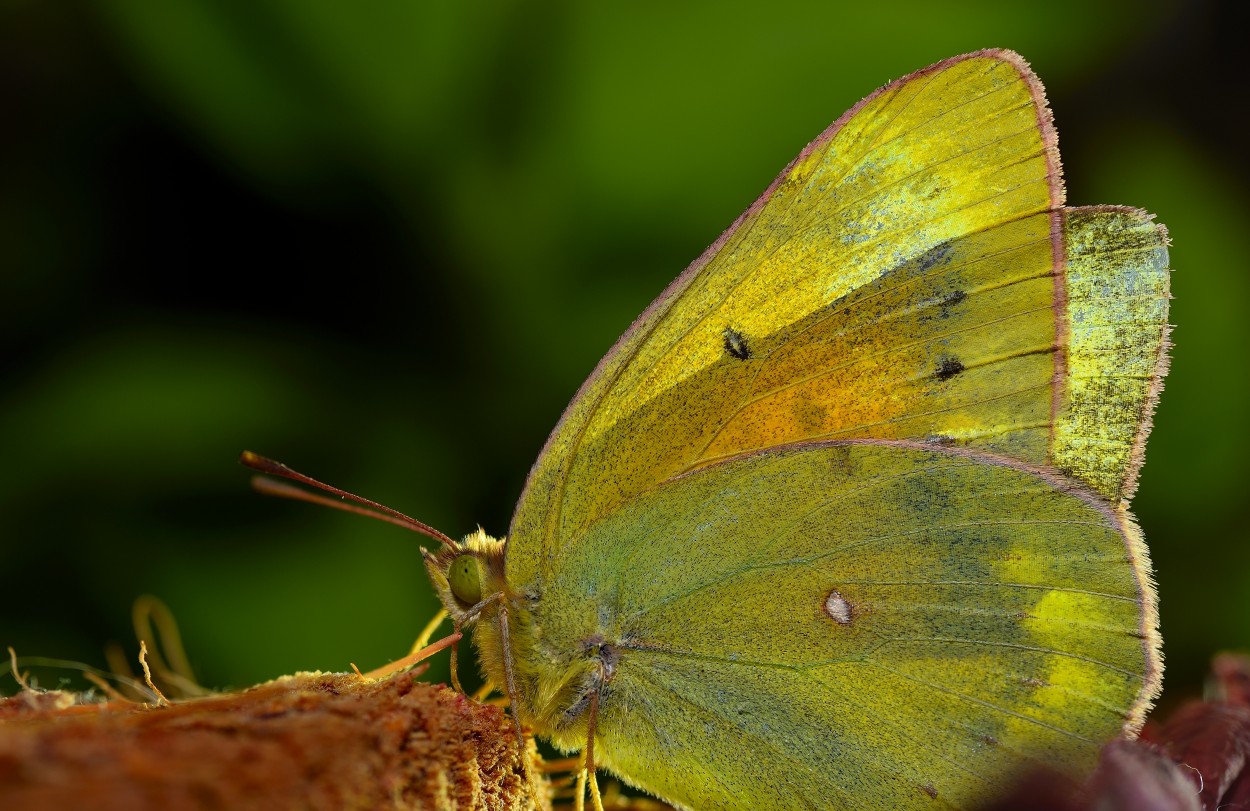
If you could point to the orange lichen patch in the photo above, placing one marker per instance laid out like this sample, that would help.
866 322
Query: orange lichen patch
327 741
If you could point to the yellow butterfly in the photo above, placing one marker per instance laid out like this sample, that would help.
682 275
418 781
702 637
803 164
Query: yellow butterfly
841 520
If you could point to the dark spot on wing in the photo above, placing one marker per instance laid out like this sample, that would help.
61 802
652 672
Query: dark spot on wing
736 343
948 368
949 301
928 788
941 306
937 255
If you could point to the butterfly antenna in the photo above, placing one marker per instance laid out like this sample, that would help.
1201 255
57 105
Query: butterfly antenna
360 506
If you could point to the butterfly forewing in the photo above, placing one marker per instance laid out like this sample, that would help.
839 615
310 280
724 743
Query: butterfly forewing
955 149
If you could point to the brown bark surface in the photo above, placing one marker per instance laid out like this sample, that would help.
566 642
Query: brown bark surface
308 741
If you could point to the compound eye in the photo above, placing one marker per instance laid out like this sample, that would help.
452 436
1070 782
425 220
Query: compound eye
465 578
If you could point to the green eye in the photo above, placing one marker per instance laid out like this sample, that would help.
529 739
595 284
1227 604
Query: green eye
465 579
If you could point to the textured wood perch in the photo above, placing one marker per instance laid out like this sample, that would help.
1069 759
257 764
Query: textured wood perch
338 741
308 741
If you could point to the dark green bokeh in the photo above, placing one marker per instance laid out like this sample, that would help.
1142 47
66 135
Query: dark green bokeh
385 242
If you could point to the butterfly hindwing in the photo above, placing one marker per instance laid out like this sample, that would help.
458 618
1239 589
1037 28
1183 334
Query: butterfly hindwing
1115 337
924 618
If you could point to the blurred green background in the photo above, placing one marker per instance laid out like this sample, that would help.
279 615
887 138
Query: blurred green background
386 241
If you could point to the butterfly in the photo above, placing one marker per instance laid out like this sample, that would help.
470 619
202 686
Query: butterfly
842 520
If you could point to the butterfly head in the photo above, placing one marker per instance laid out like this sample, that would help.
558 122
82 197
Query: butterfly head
466 573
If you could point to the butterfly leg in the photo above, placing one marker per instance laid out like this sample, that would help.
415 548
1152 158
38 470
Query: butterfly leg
594 792
509 672
579 793
589 771
470 616
455 666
